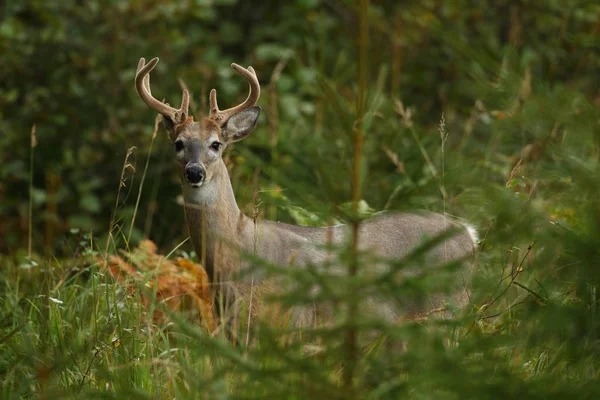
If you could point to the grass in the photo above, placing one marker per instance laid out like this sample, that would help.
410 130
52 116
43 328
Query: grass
527 333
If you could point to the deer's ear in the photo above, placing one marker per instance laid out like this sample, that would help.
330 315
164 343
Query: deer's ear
240 125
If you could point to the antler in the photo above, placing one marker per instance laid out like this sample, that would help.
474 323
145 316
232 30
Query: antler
142 85
222 116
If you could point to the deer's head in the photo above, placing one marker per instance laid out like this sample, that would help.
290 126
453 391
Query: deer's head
199 144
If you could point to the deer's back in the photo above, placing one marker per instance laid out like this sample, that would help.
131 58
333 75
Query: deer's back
391 236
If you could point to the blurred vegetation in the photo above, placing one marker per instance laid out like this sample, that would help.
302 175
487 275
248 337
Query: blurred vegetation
68 68
513 84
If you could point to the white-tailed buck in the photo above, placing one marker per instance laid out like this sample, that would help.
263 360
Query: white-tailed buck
221 233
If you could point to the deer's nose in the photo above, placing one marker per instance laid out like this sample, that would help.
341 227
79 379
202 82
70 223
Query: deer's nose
194 173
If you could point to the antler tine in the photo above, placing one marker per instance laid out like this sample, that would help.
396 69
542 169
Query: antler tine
214 107
141 64
253 95
185 102
142 85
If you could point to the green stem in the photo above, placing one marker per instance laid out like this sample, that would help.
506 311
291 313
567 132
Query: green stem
30 221
351 333
139 196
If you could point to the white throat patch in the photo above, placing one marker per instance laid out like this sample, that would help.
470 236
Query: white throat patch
206 194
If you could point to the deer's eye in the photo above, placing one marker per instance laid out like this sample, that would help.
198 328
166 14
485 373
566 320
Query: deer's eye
215 146
178 145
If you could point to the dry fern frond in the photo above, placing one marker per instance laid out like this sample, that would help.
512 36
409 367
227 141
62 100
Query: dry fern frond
180 284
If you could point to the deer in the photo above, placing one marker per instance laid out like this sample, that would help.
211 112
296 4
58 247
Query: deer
221 234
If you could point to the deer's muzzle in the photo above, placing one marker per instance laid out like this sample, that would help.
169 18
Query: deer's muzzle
194 173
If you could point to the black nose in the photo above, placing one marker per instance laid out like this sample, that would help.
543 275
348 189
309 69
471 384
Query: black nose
194 173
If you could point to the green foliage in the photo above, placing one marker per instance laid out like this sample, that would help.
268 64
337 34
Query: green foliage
517 85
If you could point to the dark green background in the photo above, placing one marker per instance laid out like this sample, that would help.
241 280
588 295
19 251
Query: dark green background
68 68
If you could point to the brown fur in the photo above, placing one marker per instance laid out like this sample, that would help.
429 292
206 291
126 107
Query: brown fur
221 234
179 127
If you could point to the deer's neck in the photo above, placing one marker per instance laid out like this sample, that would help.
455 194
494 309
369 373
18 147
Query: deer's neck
217 226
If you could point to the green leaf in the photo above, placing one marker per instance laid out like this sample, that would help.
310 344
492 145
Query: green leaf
303 217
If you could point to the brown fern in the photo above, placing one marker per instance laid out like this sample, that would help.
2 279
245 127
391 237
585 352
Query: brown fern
180 284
